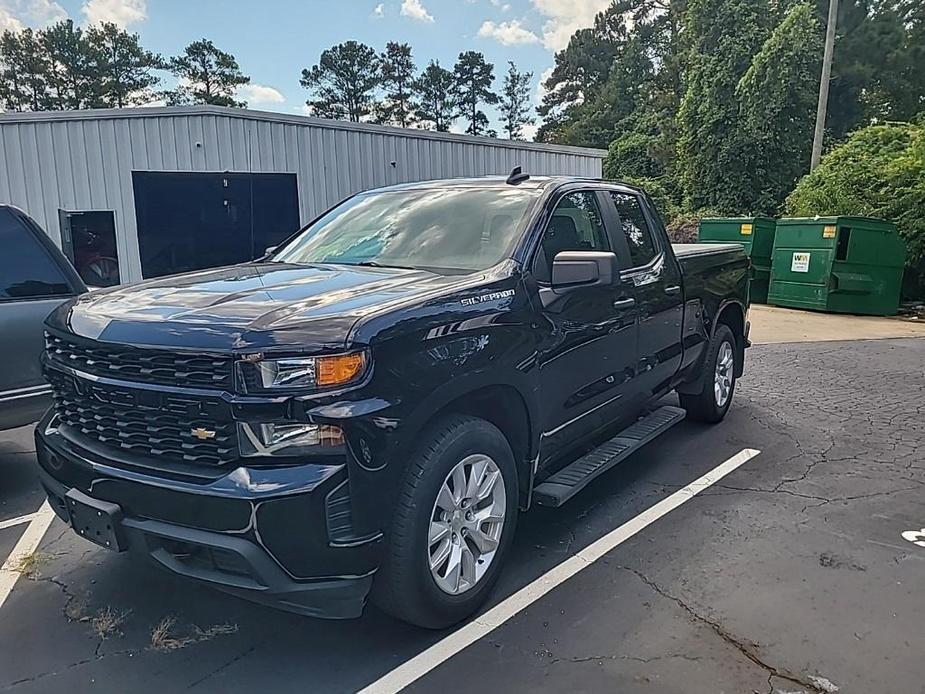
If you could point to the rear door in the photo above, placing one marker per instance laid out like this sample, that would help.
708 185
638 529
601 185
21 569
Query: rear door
34 279
587 350
654 272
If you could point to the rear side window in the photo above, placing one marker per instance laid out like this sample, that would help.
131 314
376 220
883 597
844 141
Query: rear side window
635 227
26 269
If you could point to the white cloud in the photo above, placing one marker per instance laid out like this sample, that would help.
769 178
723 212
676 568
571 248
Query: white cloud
256 94
540 89
16 14
7 21
565 17
119 12
379 11
508 33
416 10
528 132
505 6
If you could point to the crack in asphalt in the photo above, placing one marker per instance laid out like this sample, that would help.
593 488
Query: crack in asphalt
635 658
69 598
747 650
226 664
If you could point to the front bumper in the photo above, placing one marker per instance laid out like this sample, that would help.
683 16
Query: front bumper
263 534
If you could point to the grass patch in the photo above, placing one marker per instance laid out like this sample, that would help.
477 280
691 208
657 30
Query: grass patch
29 564
106 622
165 636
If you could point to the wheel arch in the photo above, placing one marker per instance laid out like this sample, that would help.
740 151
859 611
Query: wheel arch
503 404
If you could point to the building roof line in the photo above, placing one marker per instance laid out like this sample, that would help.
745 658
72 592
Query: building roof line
249 114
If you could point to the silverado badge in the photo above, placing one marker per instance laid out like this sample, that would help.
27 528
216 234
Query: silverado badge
202 434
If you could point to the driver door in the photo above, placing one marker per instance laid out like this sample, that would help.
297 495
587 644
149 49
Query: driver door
587 349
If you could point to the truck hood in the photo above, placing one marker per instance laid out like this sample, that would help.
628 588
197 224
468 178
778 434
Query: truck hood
244 307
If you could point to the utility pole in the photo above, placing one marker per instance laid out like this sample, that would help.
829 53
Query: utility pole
824 83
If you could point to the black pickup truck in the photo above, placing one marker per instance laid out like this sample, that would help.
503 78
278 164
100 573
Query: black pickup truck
364 411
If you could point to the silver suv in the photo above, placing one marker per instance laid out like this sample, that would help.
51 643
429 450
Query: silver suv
34 278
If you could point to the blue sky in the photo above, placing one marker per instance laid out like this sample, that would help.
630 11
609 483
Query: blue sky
274 39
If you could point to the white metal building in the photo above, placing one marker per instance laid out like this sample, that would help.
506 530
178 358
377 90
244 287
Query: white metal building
147 192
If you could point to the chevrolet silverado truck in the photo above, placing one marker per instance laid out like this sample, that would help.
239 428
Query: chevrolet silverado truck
364 411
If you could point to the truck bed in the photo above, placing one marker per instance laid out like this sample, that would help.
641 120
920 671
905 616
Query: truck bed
686 250
720 270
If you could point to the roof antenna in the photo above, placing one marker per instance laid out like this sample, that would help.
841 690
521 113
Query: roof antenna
517 177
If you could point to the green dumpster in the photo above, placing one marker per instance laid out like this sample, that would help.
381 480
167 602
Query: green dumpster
756 234
837 264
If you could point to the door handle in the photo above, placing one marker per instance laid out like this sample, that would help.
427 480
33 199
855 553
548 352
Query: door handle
624 303
672 290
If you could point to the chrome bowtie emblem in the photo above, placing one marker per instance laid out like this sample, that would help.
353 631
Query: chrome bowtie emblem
202 434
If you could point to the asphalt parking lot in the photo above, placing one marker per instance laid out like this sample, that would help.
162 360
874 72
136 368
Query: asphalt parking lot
790 574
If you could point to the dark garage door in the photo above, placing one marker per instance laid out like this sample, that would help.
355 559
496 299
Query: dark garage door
191 221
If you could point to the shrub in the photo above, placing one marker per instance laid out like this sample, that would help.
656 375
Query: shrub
879 171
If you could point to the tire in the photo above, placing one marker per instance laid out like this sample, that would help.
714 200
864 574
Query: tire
405 586
705 406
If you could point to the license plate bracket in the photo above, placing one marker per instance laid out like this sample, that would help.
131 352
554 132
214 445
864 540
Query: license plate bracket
95 520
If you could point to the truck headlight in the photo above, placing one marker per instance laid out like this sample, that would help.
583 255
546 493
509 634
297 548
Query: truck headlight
302 373
271 439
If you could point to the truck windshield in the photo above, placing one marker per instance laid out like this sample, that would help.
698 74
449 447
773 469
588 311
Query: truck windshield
447 230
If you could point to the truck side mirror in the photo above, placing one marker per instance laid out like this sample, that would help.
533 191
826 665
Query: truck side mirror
572 269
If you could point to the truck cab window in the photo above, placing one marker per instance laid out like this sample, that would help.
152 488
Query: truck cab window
26 269
635 227
576 225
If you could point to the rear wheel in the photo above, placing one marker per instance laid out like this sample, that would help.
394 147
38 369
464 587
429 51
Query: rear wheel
453 523
712 403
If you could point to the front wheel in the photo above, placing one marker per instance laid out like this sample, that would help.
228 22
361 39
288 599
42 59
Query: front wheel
453 524
719 379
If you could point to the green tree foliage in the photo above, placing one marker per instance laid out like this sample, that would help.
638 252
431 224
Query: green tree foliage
344 82
879 171
473 77
24 67
122 69
206 75
777 102
436 106
514 103
71 72
713 148
398 81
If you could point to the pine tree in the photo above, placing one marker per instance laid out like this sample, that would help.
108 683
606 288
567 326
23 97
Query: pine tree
206 75
24 72
344 82
398 80
437 105
473 79
514 103
71 74
124 68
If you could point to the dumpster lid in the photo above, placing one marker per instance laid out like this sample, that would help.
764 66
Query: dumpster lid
832 219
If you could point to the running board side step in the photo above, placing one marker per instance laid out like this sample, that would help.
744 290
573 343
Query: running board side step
570 480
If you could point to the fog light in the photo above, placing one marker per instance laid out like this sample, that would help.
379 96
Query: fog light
272 439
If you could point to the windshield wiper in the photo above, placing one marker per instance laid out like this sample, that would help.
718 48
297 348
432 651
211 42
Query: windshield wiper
373 263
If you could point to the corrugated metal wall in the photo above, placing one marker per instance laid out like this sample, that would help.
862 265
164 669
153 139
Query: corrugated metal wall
83 161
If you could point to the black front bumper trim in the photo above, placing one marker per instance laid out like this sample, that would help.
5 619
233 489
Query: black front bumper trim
232 564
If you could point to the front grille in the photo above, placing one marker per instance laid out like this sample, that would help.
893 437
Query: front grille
114 418
144 365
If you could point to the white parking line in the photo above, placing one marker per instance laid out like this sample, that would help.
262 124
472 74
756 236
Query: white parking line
10 522
27 544
446 648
